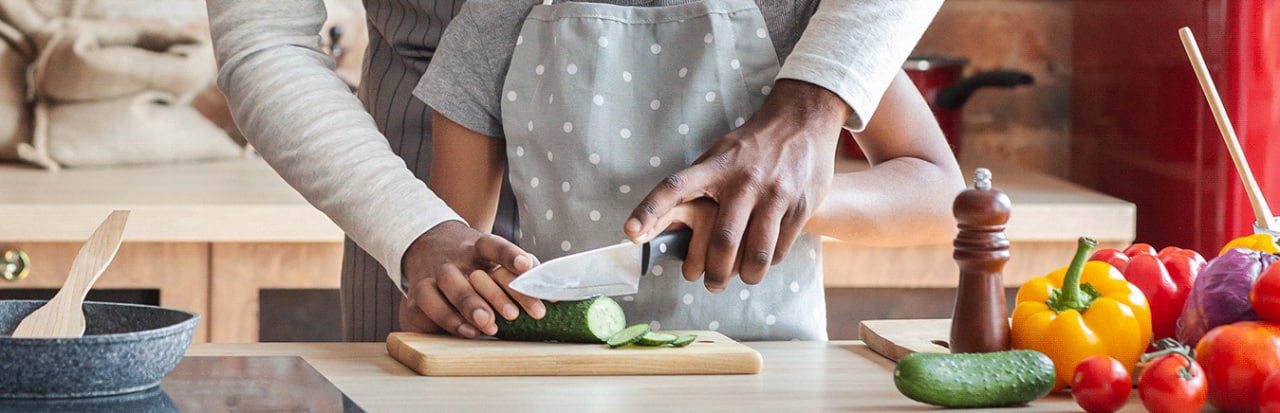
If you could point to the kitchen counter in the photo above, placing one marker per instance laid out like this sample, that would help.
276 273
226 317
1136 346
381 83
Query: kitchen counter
797 377
244 200
226 201
211 236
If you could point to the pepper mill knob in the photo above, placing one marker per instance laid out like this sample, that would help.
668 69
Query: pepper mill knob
980 321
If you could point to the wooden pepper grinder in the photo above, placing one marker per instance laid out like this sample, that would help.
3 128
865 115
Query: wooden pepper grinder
980 322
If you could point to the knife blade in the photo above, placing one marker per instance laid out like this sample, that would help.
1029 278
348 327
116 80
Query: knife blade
612 270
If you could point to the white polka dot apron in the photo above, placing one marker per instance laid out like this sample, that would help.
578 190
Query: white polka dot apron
601 102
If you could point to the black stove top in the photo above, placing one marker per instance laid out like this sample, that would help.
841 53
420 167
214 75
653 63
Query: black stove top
217 384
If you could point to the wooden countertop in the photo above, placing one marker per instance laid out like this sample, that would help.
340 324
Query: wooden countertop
1045 207
236 201
245 201
797 377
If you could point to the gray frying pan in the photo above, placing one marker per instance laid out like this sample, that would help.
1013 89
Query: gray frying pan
125 348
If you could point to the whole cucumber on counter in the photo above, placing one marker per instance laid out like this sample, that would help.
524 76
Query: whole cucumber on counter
593 320
1001 378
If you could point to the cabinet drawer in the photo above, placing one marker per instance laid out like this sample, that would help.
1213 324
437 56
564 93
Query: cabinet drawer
179 272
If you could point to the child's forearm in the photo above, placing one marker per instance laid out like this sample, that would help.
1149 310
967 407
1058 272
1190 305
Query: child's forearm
905 197
466 171
905 201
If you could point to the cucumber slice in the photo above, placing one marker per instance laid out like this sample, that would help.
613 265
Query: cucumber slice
593 320
628 335
654 339
684 340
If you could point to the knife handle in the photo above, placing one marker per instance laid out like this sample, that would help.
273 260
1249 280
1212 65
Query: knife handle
674 244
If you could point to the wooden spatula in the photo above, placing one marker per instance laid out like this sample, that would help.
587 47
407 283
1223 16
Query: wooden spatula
63 316
1261 211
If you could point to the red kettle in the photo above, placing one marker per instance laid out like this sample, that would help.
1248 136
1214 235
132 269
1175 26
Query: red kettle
942 83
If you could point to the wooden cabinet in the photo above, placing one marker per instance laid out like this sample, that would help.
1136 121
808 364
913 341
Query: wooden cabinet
241 270
210 237
207 236
178 271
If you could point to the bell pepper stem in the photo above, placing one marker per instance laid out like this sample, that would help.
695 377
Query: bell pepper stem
1073 295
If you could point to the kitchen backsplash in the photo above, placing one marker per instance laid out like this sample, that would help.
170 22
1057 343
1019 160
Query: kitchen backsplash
1029 125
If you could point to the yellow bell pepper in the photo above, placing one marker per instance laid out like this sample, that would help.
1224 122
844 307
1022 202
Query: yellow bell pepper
1261 242
1081 310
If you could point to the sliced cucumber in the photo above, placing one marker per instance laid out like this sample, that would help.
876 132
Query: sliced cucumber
628 335
654 339
684 340
592 320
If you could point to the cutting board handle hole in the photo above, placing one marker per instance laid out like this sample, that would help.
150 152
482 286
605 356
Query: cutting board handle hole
941 343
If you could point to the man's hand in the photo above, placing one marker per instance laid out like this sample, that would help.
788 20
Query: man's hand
454 282
767 176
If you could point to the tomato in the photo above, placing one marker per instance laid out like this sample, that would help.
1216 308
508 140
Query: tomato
1265 295
1237 358
1270 396
1100 384
1173 383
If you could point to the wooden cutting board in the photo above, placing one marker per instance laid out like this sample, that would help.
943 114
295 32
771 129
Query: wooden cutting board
895 339
440 355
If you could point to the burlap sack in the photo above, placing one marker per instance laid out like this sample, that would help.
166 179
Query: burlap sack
88 60
144 128
119 94
15 110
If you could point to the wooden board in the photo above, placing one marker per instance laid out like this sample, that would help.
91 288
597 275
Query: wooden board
895 339
439 355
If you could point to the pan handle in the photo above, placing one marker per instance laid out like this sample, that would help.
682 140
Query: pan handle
953 96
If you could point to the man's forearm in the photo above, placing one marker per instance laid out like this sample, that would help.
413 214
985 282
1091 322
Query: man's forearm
306 123
855 47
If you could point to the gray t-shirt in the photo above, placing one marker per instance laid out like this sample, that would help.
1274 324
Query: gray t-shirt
464 81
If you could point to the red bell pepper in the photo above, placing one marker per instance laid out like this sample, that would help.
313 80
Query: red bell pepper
1164 277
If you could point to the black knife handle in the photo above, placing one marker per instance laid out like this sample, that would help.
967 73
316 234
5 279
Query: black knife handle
674 244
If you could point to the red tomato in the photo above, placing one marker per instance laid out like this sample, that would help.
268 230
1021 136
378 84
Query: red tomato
1237 358
1265 295
1172 384
1100 384
1270 396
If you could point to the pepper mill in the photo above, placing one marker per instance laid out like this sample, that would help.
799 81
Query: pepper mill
980 321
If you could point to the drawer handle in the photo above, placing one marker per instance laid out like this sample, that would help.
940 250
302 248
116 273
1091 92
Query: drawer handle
14 263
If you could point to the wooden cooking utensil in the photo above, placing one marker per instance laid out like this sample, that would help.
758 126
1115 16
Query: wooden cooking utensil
1261 212
63 316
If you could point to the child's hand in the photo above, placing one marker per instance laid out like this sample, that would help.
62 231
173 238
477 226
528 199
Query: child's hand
700 215
450 286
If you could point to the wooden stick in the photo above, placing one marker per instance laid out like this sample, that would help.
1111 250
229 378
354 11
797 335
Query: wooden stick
1261 212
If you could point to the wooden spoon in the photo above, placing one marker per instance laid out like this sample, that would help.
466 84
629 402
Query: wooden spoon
1261 212
63 316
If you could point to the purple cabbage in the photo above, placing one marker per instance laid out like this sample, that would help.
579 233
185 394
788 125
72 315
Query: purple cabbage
1220 294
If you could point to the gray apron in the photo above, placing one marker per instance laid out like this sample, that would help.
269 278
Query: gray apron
601 102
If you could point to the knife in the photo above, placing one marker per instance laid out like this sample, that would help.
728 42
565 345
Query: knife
612 270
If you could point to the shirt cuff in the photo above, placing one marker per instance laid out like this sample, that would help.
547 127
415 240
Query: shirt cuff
836 77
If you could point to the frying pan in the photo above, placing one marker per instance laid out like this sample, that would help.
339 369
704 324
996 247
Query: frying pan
125 348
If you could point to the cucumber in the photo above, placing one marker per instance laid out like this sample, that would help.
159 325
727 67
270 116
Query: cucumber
654 339
684 340
1001 378
592 320
628 335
